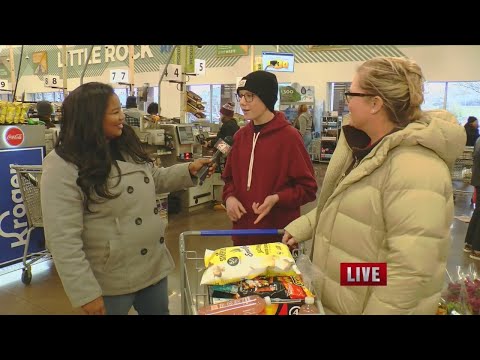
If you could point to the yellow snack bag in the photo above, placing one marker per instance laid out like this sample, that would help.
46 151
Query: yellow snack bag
3 111
23 113
235 263
11 113
18 112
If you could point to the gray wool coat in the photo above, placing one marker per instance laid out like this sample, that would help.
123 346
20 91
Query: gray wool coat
120 247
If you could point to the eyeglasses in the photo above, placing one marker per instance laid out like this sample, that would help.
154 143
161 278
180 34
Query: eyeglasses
349 95
248 97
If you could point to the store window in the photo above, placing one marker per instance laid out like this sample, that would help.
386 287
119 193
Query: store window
122 95
463 99
434 95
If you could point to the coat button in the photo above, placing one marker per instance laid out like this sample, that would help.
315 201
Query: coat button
162 240
146 179
130 189
155 211
143 251
138 221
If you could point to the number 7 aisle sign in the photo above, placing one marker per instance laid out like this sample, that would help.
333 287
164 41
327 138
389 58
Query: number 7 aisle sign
117 76
199 67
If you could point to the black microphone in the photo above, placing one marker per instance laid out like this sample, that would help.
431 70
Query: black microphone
223 147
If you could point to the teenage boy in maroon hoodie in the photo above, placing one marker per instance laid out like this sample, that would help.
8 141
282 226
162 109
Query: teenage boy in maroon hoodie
268 174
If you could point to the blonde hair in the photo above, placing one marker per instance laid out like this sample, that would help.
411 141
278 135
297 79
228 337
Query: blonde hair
302 108
399 82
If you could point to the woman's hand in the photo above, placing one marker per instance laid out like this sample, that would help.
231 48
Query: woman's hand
289 240
235 209
265 208
196 165
95 307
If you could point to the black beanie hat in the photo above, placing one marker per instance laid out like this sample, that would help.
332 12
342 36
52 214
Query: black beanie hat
263 84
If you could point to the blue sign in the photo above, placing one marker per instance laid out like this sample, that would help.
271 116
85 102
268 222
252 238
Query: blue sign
13 219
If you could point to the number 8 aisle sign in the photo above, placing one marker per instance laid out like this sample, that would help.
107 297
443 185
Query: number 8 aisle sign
52 80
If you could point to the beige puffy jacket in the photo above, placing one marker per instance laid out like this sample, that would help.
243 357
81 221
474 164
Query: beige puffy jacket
396 207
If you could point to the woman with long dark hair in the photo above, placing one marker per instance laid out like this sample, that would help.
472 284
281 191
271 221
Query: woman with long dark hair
99 208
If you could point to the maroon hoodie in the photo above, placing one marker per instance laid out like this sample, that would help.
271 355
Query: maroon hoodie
281 165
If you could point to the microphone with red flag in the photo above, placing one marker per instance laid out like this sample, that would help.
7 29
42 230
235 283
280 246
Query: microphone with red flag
223 147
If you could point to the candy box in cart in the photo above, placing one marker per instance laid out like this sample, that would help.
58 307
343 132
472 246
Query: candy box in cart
287 293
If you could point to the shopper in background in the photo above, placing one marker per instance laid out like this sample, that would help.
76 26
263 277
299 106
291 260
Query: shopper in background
229 124
152 108
133 116
99 210
386 196
268 174
472 238
44 111
304 124
471 128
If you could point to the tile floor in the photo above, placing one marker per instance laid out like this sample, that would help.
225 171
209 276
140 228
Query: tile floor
45 294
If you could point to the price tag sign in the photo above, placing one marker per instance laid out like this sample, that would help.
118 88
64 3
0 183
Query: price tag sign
117 76
174 72
4 85
52 80
200 67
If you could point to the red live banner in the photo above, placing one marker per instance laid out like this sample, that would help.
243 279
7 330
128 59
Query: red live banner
363 274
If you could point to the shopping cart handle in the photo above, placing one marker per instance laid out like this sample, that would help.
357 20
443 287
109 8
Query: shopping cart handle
241 232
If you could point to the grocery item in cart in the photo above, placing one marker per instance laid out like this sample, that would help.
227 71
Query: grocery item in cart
235 263
250 305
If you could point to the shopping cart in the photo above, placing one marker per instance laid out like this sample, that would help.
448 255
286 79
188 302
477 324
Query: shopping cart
192 294
461 174
29 177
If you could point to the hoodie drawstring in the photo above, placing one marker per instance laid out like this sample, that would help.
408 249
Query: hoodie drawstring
252 158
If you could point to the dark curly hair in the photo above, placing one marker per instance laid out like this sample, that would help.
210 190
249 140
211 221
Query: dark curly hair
152 109
82 140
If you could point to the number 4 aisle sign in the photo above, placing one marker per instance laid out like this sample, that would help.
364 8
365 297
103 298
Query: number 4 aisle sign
117 76
174 72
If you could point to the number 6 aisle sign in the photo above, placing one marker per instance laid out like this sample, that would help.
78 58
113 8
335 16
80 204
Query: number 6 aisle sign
117 76
52 81
4 85
174 72
199 67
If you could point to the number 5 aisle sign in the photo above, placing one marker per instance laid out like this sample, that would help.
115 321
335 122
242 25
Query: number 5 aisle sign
117 76
199 67
52 81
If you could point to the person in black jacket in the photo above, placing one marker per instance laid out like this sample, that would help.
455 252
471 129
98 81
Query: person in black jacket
472 239
229 124
471 127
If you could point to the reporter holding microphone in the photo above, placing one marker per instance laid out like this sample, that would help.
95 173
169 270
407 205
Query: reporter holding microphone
100 216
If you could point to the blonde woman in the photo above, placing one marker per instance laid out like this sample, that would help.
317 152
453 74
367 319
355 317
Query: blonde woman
304 123
387 195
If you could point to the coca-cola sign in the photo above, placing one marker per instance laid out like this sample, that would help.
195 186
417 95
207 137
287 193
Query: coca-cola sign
14 136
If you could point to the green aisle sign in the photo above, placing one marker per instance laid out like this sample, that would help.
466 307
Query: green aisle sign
190 63
232 50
